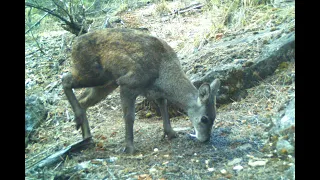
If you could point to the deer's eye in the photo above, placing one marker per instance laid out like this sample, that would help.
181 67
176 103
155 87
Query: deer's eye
204 119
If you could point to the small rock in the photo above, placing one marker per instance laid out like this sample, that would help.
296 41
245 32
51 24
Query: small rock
83 165
237 168
234 161
269 155
283 146
143 176
290 173
97 161
265 135
112 159
290 164
223 171
288 120
210 169
257 163
250 156
153 171
35 112
166 162
240 61
164 19
248 64
229 176
173 169
245 147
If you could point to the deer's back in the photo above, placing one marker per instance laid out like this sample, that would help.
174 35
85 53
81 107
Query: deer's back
118 51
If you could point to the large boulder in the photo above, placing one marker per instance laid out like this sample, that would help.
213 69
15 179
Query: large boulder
35 113
285 120
284 129
241 74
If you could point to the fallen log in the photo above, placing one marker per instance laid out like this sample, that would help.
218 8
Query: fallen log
60 155
194 6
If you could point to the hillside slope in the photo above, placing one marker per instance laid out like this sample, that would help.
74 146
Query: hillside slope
253 136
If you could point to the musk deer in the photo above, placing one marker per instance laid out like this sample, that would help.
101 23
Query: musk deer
141 65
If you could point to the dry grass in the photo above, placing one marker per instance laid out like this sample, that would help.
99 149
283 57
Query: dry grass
247 117
261 105
162 8
238 16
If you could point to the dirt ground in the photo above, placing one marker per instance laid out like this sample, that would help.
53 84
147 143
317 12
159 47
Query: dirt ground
240 134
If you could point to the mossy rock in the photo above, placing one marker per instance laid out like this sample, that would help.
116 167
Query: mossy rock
282 67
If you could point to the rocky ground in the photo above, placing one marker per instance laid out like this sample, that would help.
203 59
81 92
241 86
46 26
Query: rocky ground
253 136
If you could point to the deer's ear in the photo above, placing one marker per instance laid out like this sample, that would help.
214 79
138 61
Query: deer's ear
204 93
215 85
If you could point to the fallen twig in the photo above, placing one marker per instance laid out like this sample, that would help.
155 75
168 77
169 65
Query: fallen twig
111 174
141 157
128 175
57 166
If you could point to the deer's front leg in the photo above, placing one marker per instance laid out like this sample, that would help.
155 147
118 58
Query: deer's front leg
162 103
128 108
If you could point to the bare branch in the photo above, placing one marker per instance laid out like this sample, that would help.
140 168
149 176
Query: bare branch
31 27
46 10
58 5
70 25
38 45
90 6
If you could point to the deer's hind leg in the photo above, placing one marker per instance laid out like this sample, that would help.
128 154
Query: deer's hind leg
69 82
137 78
95 94
128 107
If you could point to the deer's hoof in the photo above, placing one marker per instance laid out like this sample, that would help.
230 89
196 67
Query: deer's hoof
129 150
171 134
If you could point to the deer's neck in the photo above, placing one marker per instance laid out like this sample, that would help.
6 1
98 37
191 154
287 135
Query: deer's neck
181 92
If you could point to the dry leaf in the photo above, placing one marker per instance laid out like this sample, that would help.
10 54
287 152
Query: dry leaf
219 36
113 134
166 162
99 144
103 137
144 177
95 161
